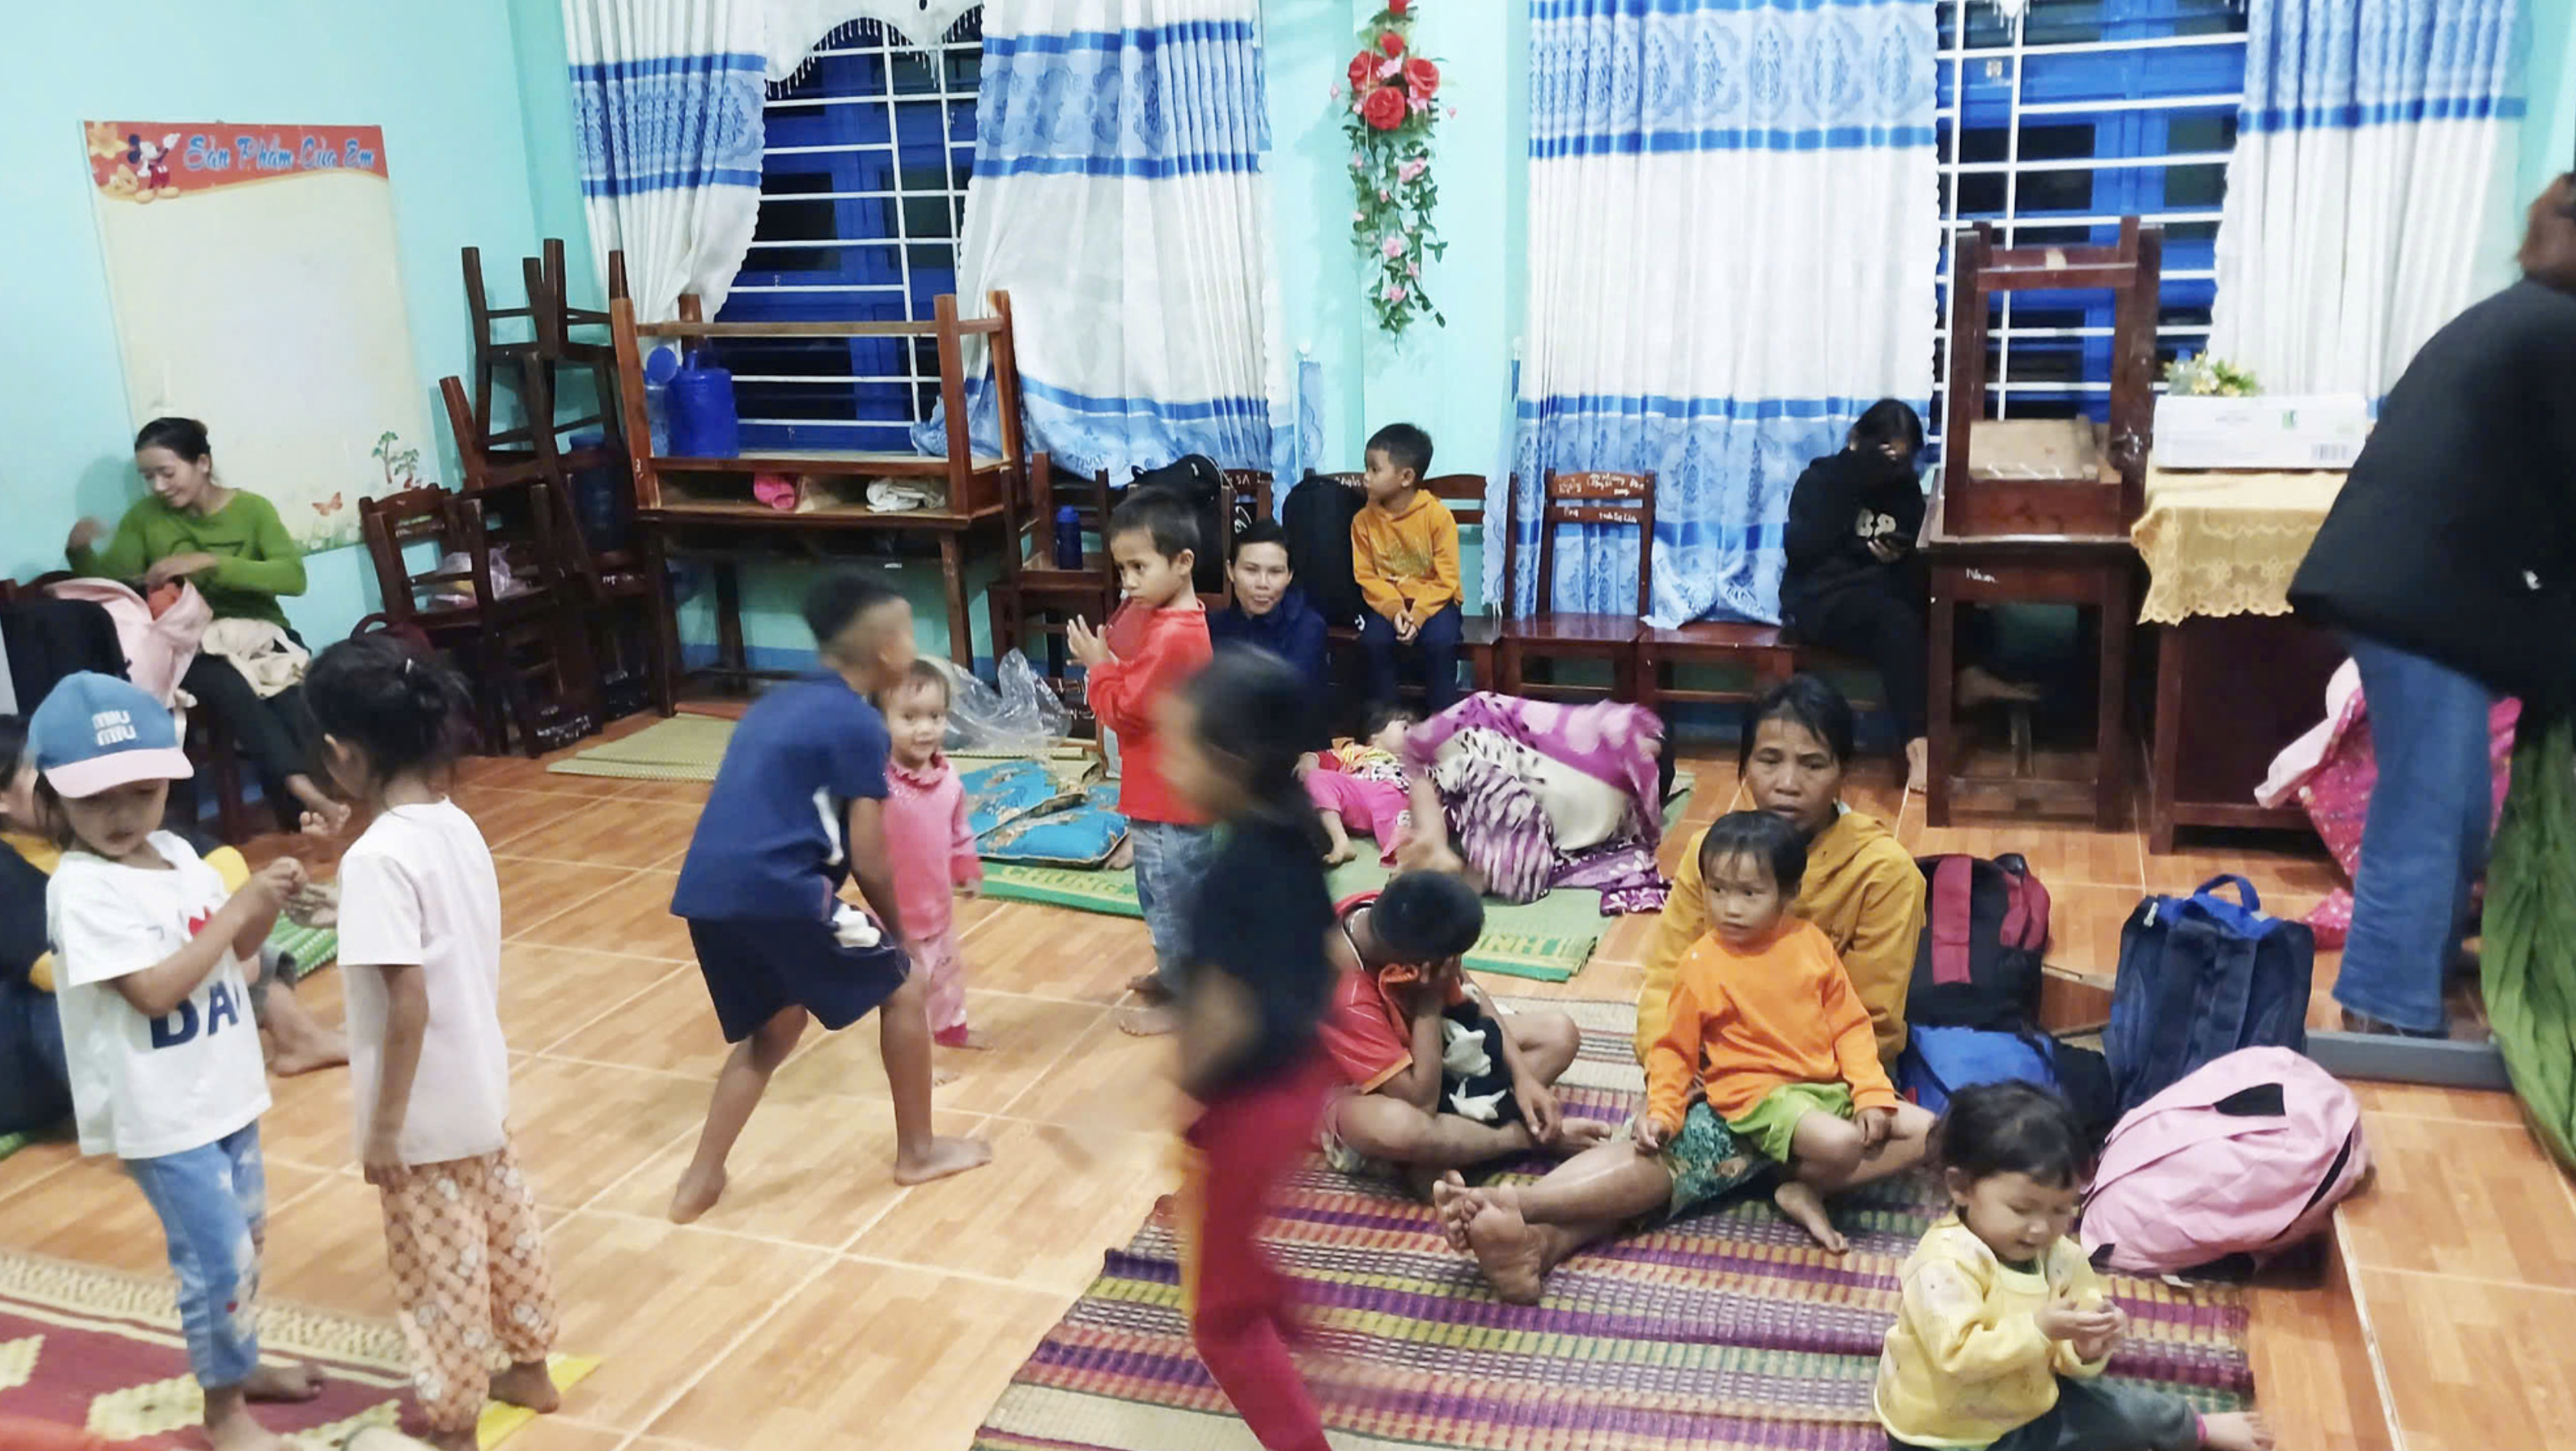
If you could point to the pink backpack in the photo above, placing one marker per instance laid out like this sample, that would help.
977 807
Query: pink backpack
2247 1154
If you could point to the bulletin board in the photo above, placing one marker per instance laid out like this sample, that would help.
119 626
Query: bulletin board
256 286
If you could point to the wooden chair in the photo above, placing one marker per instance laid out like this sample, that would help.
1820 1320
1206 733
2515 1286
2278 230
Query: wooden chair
1479 634
1609 499
550 318
513 648
1035 594
1243 495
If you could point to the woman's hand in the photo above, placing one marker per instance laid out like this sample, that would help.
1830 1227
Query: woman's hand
177 566
84 534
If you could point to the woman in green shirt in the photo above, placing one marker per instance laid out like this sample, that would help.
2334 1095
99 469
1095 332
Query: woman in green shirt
232 546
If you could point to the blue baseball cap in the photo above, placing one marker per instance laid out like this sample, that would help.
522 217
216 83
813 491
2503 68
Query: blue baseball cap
95 732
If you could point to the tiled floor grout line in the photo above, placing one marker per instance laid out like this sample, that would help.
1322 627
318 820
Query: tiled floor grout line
524 927
638 1167
1062 1056
586 1024
997 1282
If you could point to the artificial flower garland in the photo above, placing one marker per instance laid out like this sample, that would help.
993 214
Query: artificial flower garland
1389 119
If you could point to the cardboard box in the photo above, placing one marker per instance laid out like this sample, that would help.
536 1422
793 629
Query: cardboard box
2318 431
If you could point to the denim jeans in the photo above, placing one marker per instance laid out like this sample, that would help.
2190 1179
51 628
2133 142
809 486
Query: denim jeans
1169 861
2424 842
1437 640
213 1203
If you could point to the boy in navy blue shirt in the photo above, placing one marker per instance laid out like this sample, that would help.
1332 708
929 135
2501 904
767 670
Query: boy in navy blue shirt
797 808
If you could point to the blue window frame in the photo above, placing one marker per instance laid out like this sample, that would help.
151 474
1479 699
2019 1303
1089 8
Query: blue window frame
2055 128
862 197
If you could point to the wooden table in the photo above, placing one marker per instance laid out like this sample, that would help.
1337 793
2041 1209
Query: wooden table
2237 678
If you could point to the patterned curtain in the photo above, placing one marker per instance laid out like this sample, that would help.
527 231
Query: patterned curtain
2373 159
1734 236
666 111
1120 198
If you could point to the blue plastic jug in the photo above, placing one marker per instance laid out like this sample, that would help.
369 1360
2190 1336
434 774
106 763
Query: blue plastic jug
1068 538
703 421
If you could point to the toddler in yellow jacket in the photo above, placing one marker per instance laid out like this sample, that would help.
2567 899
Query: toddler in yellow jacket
2004 1328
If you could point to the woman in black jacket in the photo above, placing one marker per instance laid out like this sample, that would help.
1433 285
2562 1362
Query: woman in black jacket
1854 582
2449 565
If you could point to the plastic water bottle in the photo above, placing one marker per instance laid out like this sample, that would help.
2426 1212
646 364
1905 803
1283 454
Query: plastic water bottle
1068 538
660 365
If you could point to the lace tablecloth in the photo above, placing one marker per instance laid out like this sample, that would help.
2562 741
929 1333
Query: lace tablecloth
2226 543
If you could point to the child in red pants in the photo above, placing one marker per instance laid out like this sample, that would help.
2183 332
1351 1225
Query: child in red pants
1255 993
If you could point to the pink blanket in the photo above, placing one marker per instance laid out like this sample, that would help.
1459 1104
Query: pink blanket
2337 797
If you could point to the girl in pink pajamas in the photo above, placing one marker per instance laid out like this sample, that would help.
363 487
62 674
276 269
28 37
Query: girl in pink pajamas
933 849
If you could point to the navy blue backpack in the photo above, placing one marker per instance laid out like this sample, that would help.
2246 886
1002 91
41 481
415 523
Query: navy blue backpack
2201 977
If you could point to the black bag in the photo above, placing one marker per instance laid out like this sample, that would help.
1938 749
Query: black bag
1977 964
1317 520
1195 480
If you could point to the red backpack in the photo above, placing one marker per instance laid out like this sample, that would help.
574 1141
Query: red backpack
1977 964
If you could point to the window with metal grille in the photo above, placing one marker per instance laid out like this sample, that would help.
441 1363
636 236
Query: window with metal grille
2054 128
862 196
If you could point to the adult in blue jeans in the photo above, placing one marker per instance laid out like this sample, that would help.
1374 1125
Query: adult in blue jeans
2449 564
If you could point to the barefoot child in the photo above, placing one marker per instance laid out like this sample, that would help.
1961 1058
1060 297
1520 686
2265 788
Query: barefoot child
420 944
934 852
1361 786
798 807
1158 639
1434 1076
1255 990
2003 1328
152 981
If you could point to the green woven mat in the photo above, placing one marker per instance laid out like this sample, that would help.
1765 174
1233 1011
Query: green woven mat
12 1143
307 950
683 748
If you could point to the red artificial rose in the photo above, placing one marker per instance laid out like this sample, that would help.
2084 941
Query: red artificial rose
1397 8
1385 109
1422 78
1391 43
1363 71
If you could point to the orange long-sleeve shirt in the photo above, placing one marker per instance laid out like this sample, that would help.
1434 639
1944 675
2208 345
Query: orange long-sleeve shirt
1408 558
1751 1019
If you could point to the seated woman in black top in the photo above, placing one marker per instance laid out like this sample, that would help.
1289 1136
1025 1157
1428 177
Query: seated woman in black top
1854 582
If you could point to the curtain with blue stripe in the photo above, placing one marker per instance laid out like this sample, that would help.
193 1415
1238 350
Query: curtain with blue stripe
1734 235
2369 196
1121 197
666 117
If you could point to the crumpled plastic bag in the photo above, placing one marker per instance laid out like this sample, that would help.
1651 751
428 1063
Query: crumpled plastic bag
1022 718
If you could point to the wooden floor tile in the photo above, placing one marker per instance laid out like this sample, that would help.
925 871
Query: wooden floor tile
533 891
620 832
2510 1220
2062 855
675 793
868 1356
2084 926
1048 952
89 1210
501 813
559 1433
657 1304
1028 1037
310 1121
806 1171
669 1027
33 1164
1065 1196
2415 1100
579 1127
632 917
2472 1366
519 773
328 1248
1113 1081
2279 864
549 993
2312 1373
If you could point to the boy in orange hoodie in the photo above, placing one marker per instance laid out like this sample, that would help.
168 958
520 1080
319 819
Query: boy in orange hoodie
1404 556
1158 639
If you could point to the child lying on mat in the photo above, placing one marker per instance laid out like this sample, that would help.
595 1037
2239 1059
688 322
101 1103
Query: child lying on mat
1767 1024
1435 1078
1360 786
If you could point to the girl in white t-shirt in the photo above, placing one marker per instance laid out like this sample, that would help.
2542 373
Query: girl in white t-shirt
153 966
420 951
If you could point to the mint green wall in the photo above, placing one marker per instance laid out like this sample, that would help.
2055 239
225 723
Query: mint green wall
442 81
2549 127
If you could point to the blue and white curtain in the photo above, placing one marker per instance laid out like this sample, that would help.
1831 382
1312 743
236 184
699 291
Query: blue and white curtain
666 114
1734 236
1120 197
2368 198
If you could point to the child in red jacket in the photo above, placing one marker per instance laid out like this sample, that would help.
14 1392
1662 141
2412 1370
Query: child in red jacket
1158 639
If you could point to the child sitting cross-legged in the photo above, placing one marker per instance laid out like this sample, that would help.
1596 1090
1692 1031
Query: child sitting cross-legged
2003 1328
1434 1076
1766 1022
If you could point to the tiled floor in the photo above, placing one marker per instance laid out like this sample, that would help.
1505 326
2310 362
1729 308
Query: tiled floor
821 1306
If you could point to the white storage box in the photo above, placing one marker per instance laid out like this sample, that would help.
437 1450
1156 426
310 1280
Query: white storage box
2318 431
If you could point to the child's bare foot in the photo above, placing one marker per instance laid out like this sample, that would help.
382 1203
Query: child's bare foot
1148 1022
1801 1202
1507 1251
697 1194
527 1384
942 1158
941 1075
2242 1431
1149 987
1341 852
1457 1206
233 1429
297 1382
1574 1135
